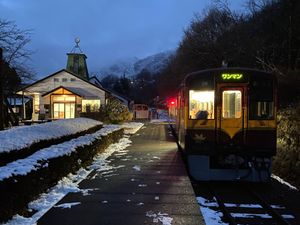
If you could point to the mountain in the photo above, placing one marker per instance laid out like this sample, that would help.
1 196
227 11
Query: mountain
133 66
154 63
120 68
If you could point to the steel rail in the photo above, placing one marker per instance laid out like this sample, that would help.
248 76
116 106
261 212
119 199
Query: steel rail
222 206
275 215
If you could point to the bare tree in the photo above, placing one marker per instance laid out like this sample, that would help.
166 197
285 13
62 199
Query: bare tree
13 41
14 63
255 6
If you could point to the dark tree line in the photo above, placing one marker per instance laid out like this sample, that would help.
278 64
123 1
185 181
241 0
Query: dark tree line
266 36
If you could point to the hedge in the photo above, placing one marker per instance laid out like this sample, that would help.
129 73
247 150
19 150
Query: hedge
17 191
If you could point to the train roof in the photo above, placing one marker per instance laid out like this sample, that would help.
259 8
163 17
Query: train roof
194 75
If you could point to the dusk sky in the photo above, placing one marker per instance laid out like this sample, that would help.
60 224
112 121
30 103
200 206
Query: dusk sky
109 30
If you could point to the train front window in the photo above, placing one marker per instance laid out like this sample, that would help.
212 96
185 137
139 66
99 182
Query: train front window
231 104
261 103
201 104
261 110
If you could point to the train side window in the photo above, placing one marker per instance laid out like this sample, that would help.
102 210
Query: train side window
261 110
201 104
231 104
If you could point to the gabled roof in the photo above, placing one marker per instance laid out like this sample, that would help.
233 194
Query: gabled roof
97 80
67 71
76 91
55 89
119 95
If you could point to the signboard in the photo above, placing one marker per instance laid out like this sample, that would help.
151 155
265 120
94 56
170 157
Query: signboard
232 76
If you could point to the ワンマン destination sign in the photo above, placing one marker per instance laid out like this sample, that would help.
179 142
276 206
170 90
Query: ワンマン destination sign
232 76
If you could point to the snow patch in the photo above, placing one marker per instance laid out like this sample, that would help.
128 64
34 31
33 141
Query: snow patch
137 168
160 217
67 205
131 128
284 182
210 216
86 192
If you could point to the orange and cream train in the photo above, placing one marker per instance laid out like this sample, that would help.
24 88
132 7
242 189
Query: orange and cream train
226 123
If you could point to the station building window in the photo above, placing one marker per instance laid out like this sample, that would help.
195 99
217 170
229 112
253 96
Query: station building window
90 105
63 106
201 104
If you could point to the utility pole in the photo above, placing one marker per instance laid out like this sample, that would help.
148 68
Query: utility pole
1 92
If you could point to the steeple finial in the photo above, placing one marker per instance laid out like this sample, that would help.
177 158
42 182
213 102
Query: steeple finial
76 47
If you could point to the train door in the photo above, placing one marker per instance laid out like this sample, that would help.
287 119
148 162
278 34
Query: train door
231 115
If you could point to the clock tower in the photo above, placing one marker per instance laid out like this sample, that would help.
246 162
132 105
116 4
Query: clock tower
77 61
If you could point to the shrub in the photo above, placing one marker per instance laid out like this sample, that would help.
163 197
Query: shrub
287 161
116 112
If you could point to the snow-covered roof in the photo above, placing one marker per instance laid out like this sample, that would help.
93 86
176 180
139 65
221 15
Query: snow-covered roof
17 101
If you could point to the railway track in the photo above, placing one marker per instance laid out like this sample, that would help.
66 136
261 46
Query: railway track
242 203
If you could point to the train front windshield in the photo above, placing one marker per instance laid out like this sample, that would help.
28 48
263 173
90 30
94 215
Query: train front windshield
201 104
231 104
261 98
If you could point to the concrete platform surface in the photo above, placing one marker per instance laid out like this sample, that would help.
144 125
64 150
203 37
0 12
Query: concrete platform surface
159 193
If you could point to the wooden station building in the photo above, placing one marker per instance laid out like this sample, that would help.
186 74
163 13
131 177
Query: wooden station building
67 92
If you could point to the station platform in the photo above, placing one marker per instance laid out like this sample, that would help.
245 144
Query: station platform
148 184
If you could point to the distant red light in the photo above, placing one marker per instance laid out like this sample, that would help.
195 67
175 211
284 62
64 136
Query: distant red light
172 103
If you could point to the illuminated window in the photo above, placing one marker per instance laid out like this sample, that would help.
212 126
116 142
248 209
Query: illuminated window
90 105
201 104
231 104
63 98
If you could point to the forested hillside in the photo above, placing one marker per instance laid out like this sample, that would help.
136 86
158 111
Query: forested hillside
266 36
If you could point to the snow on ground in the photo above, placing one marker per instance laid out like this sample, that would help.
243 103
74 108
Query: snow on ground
137 168
284 182
211 217
21 137
131 128
68 184
39 158
67 205
160 217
